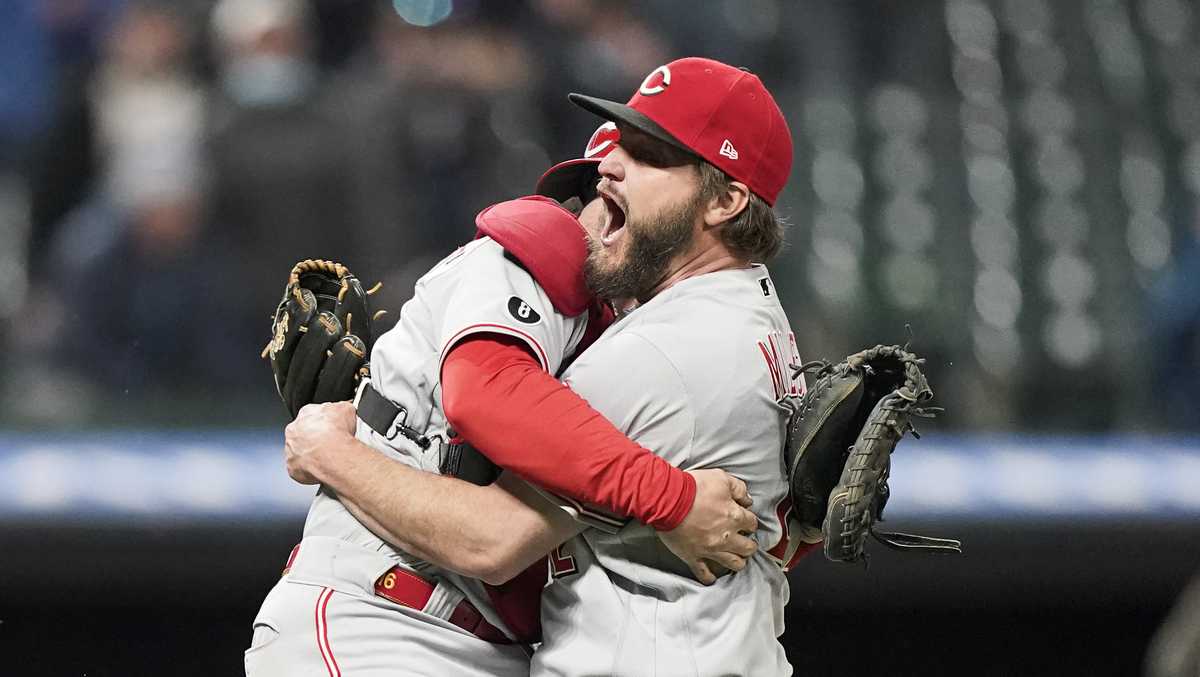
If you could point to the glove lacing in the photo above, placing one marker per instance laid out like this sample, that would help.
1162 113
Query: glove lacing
896 402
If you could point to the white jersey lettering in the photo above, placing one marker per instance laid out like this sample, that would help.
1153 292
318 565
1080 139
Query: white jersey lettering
781 371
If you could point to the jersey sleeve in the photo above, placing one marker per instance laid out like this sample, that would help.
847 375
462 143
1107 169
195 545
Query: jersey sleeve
494 294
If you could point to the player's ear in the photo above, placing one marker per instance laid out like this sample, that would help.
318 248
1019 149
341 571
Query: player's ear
730 201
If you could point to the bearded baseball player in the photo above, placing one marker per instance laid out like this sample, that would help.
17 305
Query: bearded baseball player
699 371
472 358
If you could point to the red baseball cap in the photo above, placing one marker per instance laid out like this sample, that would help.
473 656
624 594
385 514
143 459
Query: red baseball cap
721 113
578 177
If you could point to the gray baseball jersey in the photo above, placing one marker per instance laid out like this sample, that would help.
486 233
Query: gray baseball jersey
476 289
703 367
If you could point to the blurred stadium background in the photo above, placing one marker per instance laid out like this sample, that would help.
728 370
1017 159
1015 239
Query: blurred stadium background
1018 181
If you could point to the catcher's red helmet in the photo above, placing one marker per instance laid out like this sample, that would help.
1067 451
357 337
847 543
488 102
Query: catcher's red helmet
578 177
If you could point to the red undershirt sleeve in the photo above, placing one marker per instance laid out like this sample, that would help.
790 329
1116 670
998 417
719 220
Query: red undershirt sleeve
496 396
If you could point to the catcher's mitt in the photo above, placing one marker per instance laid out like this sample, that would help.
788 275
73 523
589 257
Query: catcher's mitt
321 335
840 439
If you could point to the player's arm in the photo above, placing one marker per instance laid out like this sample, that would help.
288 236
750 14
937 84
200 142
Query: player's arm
491 533
497 396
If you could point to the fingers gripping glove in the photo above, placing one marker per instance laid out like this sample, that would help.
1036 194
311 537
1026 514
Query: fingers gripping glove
321 335
840 438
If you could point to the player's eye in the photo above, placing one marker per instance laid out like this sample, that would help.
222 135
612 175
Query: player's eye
651 151
657 154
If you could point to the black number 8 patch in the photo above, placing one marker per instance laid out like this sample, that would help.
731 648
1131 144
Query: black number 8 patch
522 311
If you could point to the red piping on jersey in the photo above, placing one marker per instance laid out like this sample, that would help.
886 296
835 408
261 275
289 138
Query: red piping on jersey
323 633
783 511
779 551
485 328
495 395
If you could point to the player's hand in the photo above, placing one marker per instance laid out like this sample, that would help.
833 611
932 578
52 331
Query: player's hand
318 428
715 528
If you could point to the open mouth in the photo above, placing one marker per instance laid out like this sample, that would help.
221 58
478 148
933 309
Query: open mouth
614 225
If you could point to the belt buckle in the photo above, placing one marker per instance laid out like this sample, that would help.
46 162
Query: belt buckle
399 424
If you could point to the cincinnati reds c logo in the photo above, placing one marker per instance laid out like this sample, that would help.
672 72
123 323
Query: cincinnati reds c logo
655 83
602 140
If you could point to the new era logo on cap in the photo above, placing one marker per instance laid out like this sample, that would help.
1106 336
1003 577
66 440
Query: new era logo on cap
728 150
701 105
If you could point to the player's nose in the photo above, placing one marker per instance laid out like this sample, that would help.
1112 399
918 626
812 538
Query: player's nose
612 167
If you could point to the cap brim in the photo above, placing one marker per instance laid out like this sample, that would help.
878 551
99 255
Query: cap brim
619 112
572 178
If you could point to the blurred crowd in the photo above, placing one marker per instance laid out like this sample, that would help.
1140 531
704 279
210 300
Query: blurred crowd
164 163
175 159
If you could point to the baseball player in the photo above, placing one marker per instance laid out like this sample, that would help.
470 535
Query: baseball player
697 371
474 352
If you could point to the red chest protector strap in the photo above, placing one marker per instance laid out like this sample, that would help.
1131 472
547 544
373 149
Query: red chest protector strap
548 241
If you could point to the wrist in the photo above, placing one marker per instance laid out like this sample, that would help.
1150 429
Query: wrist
685 485
320 462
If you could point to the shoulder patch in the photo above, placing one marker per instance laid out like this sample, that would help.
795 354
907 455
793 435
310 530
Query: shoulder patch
522 312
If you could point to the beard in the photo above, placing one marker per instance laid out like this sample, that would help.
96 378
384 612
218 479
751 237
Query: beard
652 243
